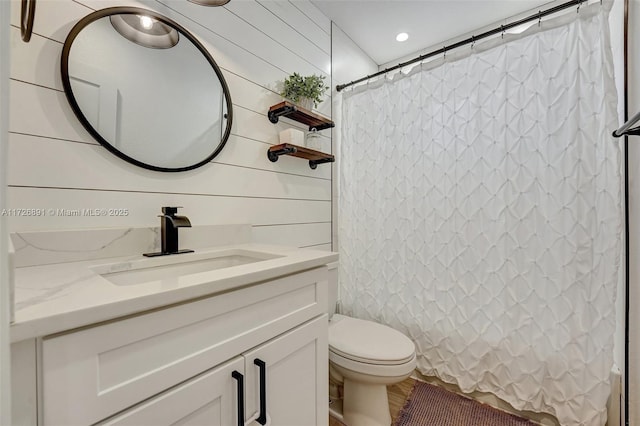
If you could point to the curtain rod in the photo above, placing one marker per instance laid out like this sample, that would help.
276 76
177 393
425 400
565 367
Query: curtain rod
626 128
472 39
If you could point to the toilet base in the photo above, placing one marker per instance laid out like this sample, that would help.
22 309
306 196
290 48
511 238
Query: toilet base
335 410
365 404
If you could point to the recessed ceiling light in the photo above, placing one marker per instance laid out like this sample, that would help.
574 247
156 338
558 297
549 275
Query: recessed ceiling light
402 37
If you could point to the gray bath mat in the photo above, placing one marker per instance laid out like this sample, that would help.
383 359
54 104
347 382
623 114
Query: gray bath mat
429 405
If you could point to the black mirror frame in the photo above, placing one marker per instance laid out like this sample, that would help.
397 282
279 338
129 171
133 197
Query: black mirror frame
27 15
66 83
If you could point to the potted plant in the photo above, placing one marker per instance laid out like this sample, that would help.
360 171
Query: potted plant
304 91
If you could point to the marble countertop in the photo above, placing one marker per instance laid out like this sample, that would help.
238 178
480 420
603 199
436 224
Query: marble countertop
57 297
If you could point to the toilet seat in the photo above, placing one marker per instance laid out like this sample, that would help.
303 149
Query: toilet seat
368 342
370 361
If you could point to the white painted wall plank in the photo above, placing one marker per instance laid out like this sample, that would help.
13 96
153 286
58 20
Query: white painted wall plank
255 50
314 14
271 25
245 94
227 54
44 112
36 62
243 35
250 153
298 20
63 14
296 235
236 60
33 64
250 95
145 207
52 163
54 18
325 106
254 125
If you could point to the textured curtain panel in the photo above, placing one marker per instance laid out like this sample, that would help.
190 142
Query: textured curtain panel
480 213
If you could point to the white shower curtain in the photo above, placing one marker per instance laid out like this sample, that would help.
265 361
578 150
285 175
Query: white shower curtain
480 213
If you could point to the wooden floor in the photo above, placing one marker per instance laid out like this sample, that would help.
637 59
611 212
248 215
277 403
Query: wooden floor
397 396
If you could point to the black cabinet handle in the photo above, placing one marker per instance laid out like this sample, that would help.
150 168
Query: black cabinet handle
240 378
262 418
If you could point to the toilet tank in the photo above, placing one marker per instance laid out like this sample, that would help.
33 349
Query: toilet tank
333 288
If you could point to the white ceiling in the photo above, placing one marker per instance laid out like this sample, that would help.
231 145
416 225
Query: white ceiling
374 24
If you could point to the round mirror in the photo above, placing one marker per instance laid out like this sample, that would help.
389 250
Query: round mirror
146 89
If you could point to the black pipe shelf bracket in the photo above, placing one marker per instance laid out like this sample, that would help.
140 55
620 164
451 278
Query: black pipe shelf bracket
314 157
301 115
284 110
276 151
314 121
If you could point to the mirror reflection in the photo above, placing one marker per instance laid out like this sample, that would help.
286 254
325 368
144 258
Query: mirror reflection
146 89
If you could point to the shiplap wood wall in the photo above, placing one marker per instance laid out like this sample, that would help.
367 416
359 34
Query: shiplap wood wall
55 163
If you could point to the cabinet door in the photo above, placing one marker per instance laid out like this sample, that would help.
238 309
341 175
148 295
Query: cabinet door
208 399
296 370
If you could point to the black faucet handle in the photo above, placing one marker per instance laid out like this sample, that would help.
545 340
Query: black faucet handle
169 225
171 210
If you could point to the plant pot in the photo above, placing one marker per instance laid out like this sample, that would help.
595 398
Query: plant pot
306 103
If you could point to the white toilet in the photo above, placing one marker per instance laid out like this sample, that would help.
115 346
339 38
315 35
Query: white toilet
365 357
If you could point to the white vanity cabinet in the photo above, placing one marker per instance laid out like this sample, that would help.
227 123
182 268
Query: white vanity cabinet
176 365
294 391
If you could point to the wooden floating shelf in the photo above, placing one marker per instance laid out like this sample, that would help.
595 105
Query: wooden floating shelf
314 157
301 115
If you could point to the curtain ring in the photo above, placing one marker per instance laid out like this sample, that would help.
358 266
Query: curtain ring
539 18
473 41
578 10
502 31
444 52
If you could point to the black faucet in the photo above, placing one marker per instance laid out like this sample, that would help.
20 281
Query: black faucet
169 224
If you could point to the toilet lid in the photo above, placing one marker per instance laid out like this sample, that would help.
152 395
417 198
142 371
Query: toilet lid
367 341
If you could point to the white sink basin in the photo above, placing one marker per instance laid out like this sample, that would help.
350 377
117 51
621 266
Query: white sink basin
171 267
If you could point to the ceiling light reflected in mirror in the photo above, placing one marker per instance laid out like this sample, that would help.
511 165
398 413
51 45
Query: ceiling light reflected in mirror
145 31
210 2
402 37
146 22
